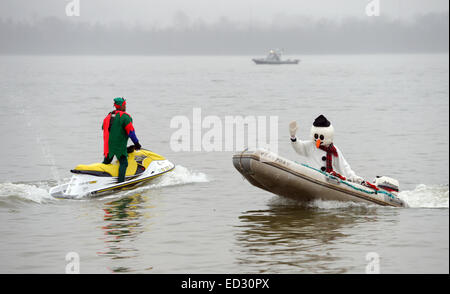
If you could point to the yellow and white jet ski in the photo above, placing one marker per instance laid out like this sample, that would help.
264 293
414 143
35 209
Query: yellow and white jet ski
98 178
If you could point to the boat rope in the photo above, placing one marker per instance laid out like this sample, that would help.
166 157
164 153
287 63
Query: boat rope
347 183
240 161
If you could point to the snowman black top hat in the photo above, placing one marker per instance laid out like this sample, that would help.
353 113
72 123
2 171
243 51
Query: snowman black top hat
321 121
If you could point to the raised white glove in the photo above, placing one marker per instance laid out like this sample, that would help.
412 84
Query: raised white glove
293 128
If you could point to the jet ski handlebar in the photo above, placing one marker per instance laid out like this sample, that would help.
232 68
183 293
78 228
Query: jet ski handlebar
131 149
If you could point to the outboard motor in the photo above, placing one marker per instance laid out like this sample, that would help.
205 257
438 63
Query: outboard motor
386 183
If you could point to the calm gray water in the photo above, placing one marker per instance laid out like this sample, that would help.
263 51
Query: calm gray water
390 114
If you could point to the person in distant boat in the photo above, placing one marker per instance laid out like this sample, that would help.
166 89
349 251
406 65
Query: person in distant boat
117 128
320 153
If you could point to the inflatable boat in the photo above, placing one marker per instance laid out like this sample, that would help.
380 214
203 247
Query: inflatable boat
281 176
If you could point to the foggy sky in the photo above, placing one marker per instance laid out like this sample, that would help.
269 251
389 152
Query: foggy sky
222 27
161 12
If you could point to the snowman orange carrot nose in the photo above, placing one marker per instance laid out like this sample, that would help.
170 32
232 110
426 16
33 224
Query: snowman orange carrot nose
318 143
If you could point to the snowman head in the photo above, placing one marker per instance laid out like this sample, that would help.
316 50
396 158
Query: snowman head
322 132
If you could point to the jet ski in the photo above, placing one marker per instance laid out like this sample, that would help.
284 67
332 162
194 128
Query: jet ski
98 178
271 172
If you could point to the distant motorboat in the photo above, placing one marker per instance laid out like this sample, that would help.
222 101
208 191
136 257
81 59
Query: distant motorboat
274 57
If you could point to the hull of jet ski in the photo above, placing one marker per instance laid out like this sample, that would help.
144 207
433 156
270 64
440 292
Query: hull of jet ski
99 179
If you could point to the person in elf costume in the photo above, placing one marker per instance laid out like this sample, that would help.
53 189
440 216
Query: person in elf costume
320 152
117 128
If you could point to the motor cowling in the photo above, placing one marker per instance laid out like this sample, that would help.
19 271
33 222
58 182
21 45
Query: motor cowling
386 183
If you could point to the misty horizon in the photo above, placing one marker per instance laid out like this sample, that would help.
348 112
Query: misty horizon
297 34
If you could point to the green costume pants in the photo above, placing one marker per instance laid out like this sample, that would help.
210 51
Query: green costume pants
122 167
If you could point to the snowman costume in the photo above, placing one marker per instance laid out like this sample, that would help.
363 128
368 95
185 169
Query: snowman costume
320 152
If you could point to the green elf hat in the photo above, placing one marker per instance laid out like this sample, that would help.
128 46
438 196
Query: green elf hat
119 102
